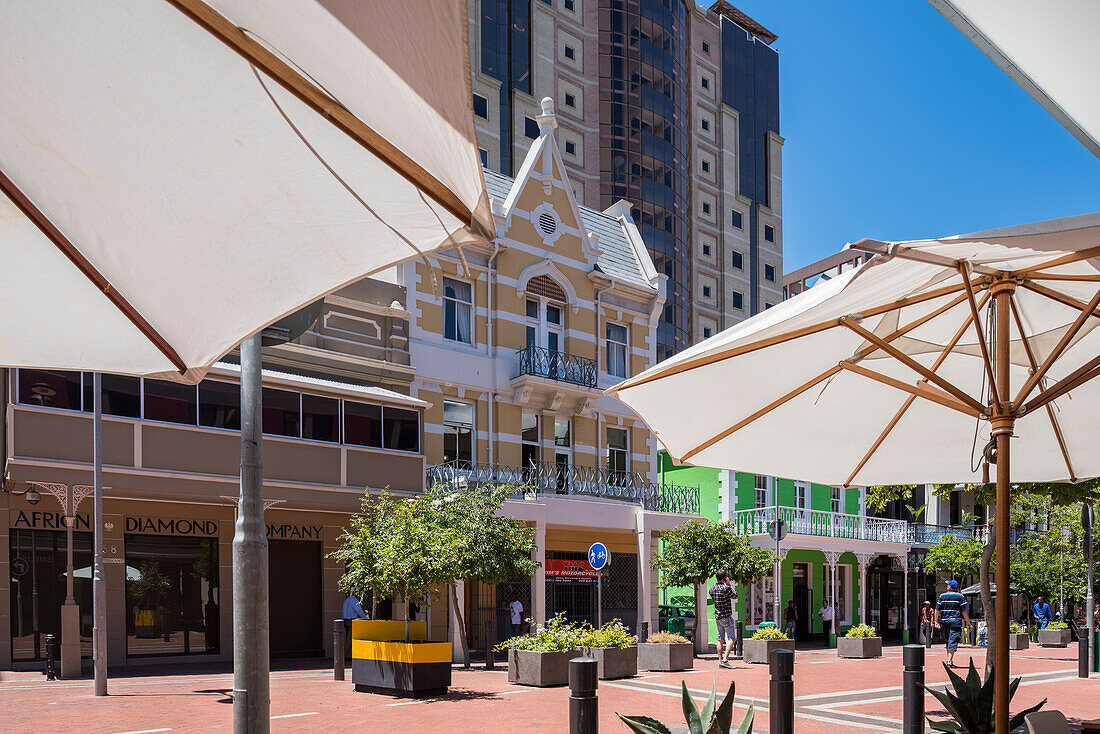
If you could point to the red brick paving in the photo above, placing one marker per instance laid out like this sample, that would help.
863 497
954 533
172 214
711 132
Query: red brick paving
190 698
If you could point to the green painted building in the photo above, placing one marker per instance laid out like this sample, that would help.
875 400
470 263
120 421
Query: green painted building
832 549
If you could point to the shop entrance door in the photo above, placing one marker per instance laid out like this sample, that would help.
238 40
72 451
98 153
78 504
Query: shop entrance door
294 606
801 595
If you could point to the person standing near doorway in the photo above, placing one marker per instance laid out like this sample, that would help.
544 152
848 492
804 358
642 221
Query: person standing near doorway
516 610
723 595
790 618
826 614
927 615
952 610
353 609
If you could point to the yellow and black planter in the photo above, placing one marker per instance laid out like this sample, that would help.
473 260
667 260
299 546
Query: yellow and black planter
382 662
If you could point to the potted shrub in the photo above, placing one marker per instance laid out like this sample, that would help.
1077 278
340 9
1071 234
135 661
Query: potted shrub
1056 634
758 648
666 652
971 705
542 657
860 642
614 649
1017 638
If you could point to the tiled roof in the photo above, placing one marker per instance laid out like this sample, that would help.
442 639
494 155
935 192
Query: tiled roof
617 258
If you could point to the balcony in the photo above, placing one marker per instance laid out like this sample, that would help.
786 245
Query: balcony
823 524
558 366
577 481
922 534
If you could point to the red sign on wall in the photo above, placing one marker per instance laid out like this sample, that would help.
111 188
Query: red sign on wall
571 571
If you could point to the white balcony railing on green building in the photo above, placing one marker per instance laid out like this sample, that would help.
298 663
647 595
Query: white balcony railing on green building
822 524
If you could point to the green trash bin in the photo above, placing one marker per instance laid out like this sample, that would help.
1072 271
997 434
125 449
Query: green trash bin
676 625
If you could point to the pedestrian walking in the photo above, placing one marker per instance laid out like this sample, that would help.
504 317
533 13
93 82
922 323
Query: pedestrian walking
516 609
952 610
927 616
1042 614
790 618
723 595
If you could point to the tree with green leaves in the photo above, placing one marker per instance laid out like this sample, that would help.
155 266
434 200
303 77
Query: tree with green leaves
487 547
694 551
954 556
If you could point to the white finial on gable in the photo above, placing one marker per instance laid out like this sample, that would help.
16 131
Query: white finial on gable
547 120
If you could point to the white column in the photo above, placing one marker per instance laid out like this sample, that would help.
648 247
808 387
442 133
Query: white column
831 557
538 579
702 624
645 575
864 560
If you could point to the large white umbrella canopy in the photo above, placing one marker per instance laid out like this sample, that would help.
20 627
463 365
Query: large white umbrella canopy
177 175
1048 48
800 391
883 376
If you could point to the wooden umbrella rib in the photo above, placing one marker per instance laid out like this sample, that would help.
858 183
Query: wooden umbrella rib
1084 278
1073 380
1049 410
1059 348
916 323
1072 257
771 341
919 390
905 359
1058 296
306 91
54 235
944 353
762 412
986 360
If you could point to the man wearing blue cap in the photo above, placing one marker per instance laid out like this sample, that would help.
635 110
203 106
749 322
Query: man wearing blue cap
951 611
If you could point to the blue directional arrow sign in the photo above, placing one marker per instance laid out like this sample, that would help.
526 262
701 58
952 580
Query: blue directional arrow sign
598 556
19 566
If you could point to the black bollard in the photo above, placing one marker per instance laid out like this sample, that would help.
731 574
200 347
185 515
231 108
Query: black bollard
781 689
739 642
51 657
490 643
912 690
584 706
338 649
643 632
1083 654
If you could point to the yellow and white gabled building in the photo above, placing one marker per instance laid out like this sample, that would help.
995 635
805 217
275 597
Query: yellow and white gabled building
513 344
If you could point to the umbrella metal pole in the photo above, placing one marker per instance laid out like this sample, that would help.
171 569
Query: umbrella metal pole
1002 424
251 697
99 581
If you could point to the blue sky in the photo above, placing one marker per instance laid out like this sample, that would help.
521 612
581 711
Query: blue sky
898 128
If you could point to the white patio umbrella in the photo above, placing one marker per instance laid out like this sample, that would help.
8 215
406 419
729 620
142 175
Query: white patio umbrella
882 375
175 175
1048 48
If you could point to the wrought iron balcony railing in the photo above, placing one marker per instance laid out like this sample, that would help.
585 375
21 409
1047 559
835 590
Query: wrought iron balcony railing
822 524
547 478
923 534
555 365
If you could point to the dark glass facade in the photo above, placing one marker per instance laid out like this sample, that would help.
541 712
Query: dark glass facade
38 578
506 56
643 141
750 85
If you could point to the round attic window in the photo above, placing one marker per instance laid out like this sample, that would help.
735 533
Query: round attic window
548 224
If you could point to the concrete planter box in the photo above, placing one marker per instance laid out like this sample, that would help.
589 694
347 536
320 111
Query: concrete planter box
614 662
1018 640
666 657
382 662
1053 638
544 669
758 651
859 647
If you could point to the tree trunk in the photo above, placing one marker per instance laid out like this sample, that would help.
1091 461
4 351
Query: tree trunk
991 620
408 624
461 626
373 604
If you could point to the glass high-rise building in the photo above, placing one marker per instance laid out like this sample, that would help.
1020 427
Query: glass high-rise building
666 104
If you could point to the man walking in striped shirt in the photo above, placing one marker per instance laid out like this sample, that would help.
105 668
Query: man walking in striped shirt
952 610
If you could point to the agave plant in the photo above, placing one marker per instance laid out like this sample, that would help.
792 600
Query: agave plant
707 721
972 704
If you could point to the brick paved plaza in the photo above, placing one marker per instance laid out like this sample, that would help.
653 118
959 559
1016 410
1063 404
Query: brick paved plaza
832 695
